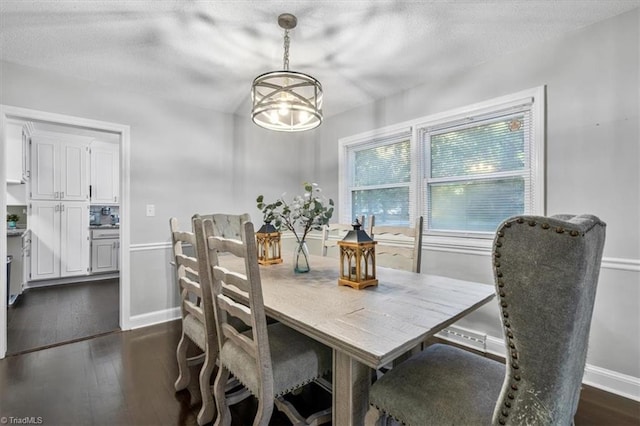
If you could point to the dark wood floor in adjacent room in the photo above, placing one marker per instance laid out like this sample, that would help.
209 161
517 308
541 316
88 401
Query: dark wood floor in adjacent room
47 316
126 378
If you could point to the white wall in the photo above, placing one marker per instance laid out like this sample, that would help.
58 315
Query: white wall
183 160
592 78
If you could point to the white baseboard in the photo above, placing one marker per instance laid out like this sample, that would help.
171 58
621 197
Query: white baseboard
71 280
597 377
612 381
151 318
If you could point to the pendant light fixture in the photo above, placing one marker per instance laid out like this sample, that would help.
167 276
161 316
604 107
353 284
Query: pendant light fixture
286 101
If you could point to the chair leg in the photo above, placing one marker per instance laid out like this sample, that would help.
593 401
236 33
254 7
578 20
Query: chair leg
265 410
208 407
224 415
184 376
374 417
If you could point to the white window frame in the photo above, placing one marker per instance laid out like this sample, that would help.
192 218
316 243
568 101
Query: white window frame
453 241
378 137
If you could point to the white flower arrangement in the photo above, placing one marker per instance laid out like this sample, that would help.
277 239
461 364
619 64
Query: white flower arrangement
306 212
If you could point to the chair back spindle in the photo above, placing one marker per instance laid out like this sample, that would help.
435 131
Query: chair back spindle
405 252
334 232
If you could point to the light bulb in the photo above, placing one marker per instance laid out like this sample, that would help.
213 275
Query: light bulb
284 109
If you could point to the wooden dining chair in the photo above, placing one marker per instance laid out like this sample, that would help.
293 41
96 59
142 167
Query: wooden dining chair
398 246
334 232
269 360
199 332
198 321
546 273
228 225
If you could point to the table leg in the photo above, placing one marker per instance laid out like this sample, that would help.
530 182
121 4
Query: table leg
351 382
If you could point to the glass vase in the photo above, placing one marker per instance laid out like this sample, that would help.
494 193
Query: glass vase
301 258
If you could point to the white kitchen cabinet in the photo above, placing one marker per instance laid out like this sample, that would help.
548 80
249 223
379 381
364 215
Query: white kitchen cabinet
26 258
59 167
59 239
105 173
27 130
104 255
13 150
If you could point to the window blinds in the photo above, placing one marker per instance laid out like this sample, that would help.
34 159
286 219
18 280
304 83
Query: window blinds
381 179
477 173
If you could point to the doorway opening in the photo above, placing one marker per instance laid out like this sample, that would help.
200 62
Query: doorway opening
105 287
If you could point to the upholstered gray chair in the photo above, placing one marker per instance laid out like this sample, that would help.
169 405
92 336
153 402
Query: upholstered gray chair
269 360
546 273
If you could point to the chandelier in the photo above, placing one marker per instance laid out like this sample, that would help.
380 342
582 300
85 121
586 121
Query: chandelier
286 101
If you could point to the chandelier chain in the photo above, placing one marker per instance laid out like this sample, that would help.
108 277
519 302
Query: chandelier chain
283 100
286 50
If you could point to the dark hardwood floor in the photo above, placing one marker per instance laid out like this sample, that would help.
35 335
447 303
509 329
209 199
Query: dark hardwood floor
126 378
47 316
123 378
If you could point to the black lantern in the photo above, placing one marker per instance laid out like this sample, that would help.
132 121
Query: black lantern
357 259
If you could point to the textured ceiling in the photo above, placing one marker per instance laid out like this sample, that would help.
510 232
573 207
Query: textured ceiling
207 53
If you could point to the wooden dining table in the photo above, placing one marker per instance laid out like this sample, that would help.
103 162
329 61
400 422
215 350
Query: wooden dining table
366 328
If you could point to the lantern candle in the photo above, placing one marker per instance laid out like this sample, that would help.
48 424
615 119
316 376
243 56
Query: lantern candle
357 259
269 245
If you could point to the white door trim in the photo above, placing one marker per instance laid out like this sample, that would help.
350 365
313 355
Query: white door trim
124 133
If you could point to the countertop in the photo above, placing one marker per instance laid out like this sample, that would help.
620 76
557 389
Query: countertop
104 227
15 232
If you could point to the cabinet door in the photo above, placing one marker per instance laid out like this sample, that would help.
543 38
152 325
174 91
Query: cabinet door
105 173
59 167
44 222
74 177
26 154
74 239
13 151
104 255
26 258
45 168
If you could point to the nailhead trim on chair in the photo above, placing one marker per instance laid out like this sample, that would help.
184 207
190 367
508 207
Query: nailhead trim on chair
504 305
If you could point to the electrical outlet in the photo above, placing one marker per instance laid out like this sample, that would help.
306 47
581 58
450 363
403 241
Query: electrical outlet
151 210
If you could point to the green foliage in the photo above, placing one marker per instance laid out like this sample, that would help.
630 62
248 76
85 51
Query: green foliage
307 212
13 218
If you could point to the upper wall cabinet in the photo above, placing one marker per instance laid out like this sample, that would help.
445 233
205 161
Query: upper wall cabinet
59 167
105 173
17 151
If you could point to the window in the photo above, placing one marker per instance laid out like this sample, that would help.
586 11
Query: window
464 171
476 174
379 179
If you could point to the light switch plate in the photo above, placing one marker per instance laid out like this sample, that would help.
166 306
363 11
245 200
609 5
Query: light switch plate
151 210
